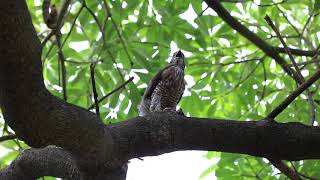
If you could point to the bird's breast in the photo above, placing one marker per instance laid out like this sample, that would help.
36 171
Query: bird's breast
170 88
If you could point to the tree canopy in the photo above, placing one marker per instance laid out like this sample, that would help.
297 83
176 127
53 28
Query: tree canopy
237 69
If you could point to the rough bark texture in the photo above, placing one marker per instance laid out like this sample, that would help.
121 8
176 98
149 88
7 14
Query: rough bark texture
37 117
166 132
90 150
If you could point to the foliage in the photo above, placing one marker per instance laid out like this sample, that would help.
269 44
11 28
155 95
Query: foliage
141 35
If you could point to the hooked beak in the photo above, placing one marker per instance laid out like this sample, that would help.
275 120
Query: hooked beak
179 54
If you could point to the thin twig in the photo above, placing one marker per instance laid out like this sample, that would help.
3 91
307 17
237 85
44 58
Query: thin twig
271 4
285 169
294 27
308 21
242 80
269 21
46 39
315 57
113 91
63 68
94 17
307 177
225 64
297 52
62 13
94 90
72 25
293 95
312 108
300 79
265 81
122 41
256 40
8 137
306 63
201 13
118 32
82 62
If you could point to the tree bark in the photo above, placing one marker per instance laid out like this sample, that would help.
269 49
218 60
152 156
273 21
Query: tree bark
89 149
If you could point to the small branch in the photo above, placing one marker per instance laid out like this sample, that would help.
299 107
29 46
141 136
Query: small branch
286 170
94 17
46 39
62 13
8 137
244 31
269 21
228 63
265 81
302 175
271 4
113 91
94 90
63 67
300 78
315 57
201 13
312 108
293 95
72 25
121 40
297 52
234 1
81 62
306 63
308 21
294 27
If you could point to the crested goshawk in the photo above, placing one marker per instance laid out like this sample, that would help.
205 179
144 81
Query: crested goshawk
165 90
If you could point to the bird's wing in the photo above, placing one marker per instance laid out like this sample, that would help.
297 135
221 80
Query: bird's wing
181 93
163 74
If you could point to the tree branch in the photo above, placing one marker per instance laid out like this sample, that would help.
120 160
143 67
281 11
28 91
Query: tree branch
300 79
161 133
23 95
94 90
236 25
286 170
297 52
275 29
35 163
8 137
113 91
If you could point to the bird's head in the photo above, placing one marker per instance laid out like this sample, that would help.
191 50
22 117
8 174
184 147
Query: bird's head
178 59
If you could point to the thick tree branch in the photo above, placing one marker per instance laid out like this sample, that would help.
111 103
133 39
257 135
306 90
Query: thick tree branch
35 163
23 95
166 132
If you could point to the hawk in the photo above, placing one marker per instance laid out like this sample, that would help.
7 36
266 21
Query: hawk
165 90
